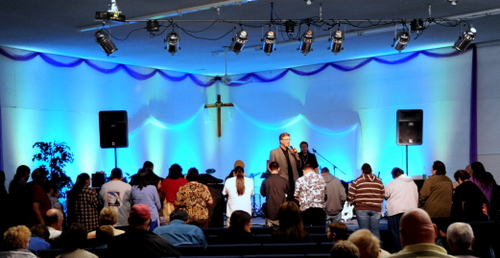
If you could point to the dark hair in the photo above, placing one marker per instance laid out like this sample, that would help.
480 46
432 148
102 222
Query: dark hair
304 142
274 165
75 237
325 170
239 219
479 174
366 166
307 166
148 165
175 171
290 219
147 179
116 173
21 171
179 214
339 228
439 167
40 231
81 182
462 174
38 175
193 175
74 193
240 180
396 172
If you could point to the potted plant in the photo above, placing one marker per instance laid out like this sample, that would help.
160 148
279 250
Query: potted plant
55 156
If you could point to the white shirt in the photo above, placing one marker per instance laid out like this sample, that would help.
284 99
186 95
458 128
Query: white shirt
235 202
116 193
401 194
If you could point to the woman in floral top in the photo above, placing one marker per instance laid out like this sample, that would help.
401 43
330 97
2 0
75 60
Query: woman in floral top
194 197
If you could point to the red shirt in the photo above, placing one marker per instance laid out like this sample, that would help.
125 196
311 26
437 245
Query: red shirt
171 186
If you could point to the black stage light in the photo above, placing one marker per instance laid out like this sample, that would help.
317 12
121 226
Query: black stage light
401 40
105 42
336 42
269 42
465 40
306 42
172 41
239 41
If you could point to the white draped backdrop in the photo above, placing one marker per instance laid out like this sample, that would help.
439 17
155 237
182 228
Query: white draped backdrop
349 117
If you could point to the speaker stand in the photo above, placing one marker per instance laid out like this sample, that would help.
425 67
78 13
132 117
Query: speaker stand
406 159
116 159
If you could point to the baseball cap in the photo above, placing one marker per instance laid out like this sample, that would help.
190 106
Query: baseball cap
140 211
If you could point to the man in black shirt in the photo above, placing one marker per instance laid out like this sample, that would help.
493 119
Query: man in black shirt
274 188
306 157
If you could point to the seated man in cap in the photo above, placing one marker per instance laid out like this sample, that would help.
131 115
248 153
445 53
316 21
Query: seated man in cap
138 241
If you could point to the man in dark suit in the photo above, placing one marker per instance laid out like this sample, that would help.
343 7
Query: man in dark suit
288 160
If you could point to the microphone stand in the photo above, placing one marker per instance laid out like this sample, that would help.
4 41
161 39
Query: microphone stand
334 167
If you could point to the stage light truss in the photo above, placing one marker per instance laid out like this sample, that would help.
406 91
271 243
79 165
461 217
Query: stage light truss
287 28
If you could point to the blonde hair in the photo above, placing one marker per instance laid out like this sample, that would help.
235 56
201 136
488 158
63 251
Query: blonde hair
367 243
17 237
108 216
344 249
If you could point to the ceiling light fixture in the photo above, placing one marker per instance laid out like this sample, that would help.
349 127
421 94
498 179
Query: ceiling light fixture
239 41
452 2
172 41
306 42
308 2
465 40
401 40
336 42
105 42
152 26
269 42
290 27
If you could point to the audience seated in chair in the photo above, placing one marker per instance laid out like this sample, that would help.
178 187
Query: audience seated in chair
367 243
16 242
54 219
291 228
337 232
151 245
73 240
418 235
107 216
239 231
39 236
460 240
344 249
178 232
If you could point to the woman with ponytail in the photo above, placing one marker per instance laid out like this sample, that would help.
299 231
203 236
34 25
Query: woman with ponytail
238 191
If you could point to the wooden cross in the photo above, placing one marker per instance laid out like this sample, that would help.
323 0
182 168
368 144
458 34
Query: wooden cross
218 105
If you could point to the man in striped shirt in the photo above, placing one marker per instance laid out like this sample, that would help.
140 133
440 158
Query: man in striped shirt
367 193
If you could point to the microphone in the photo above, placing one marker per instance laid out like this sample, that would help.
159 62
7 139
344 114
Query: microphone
314 150
290 147
378 174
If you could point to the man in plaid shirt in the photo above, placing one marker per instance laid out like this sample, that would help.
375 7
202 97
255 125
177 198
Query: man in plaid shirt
310 193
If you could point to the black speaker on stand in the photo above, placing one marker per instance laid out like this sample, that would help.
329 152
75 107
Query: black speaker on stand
113 130
409 128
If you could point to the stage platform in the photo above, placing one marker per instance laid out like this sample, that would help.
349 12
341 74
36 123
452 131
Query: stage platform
352 225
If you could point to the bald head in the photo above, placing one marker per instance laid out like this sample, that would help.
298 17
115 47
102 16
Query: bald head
416 227
54 218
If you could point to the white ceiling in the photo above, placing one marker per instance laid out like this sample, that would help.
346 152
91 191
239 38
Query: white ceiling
52 26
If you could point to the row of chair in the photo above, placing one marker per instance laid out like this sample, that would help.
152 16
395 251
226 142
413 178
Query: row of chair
223 250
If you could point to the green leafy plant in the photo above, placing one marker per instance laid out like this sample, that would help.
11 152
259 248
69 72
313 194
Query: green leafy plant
55 156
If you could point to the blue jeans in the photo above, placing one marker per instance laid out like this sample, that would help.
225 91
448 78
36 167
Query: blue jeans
370 220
